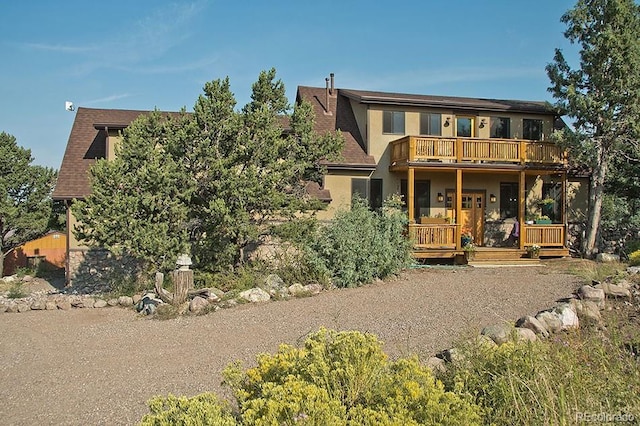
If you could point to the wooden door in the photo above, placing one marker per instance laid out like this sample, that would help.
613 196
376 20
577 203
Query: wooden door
472 215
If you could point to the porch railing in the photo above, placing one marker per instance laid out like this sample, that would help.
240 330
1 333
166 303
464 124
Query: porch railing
433 236
415 148
545 235
443 236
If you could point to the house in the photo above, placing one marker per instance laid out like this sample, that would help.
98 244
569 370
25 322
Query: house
466 167
482 168
47 251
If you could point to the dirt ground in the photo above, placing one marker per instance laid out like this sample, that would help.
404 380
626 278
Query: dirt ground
100 366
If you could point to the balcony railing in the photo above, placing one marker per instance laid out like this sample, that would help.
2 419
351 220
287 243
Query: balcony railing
416 149
544 235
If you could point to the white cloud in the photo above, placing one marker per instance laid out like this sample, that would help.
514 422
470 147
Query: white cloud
106 99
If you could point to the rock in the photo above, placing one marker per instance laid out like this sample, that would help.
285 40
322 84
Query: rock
51 306
125 301
137 298
482 341
23 307
436 364
613 290
10 278
197 304
228 303
27 279
631 270
533 324
551 321
255 295
112 302
592 294
568 316
297 289
451 355
11 307
275 286
63 304
499 333
525 335
3 307
625 284
39 305
589 310
314 288
607 258
88 302
100 303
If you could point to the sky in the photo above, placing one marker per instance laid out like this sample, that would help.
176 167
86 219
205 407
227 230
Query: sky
146 54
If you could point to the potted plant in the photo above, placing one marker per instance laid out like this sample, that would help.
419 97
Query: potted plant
543 220
469 251
466 239
533 251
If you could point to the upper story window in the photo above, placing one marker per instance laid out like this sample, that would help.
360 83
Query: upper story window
500 127
531 129
393 122
430 124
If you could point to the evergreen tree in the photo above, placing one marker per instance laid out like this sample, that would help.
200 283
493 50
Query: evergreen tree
25 196
602 96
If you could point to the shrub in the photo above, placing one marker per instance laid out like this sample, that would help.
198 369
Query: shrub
344 378
360 245
634 258
203 409
547 382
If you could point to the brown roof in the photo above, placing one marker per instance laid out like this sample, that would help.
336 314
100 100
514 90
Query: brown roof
402 99
340 118
85 145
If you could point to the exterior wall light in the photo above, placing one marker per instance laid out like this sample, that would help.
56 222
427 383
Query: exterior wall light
492 198
483 122
440 197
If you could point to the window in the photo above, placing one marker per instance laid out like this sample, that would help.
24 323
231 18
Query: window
368 189
500 127
531 129
508 199
465 127
421 197
552 191
393 122
430 124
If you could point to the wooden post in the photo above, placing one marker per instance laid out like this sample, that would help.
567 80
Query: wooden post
182 283
521 208
459 209
411 182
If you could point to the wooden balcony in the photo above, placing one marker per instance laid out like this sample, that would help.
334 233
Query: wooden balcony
460 150
433 236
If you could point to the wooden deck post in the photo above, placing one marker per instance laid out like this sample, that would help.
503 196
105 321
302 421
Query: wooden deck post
521 207
411 194
182 279
459 209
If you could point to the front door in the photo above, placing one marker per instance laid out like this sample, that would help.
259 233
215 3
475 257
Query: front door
471 214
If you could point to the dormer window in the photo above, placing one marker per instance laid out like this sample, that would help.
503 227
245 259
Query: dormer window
430 124
393 122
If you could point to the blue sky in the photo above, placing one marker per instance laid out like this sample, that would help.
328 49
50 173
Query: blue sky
145 54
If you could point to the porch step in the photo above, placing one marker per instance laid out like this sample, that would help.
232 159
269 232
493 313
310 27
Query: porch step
499 263
499 254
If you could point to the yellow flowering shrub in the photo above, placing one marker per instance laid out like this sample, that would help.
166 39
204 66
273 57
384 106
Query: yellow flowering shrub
634 258
203 409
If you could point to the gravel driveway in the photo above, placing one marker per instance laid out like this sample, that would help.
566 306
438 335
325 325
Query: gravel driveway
100 366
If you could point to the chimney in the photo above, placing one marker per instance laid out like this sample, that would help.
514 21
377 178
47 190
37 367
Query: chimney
326 97
331 92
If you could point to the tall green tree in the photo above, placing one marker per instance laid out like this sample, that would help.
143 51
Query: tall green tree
602 95
208 182
138 205
25 196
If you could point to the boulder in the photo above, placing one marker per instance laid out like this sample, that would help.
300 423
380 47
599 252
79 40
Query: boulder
112 302
625 284
499 333
533 324
39 305
568 316
525 335
63 304
197 304
589 310
10 278
51 305
614 290
592 294
607 258
436 364
136 298
297 289
275 286
23 307
314 288
87 302
632 270
100 303
27 279
3 307
125 301
255 295
451 355
551 321
11 307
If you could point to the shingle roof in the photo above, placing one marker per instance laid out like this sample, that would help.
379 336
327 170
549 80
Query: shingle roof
85 145
402 99
341 118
